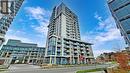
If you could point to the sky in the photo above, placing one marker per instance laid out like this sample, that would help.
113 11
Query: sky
96 23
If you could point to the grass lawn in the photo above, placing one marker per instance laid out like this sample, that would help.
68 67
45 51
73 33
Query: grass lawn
91 70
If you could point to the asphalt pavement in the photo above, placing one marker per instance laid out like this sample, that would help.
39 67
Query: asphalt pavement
24 68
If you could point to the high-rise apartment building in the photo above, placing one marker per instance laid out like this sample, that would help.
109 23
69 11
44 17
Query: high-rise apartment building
20 52
120 10
64 45
8 10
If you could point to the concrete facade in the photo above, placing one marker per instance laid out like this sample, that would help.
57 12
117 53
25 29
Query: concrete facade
64 45
5 62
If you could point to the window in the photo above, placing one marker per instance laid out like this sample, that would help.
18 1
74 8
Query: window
123 12
126 24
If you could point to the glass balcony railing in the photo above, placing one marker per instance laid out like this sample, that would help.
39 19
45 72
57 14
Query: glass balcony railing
75 51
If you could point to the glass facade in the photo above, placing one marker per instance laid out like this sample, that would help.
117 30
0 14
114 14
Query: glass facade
52 46
120 10
7 16
23 53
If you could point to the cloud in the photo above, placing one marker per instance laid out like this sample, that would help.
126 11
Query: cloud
105 32
111 34
105 24
23 39
42 28
98 17
18 35
41 16
37 13
39 19
109 31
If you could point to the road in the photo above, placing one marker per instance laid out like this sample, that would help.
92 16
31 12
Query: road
23 68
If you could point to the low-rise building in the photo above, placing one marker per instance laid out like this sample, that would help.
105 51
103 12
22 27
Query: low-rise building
106 57
23 52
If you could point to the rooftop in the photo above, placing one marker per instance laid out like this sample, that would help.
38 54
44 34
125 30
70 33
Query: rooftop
14 42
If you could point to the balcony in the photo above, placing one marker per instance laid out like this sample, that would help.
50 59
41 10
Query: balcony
75 51
87 49
68 51
82 44
89 57
86 46
88 52
58 42
75 55
75 48
67 42
58 45
2 35
82 52
75 44
81 49
66 46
